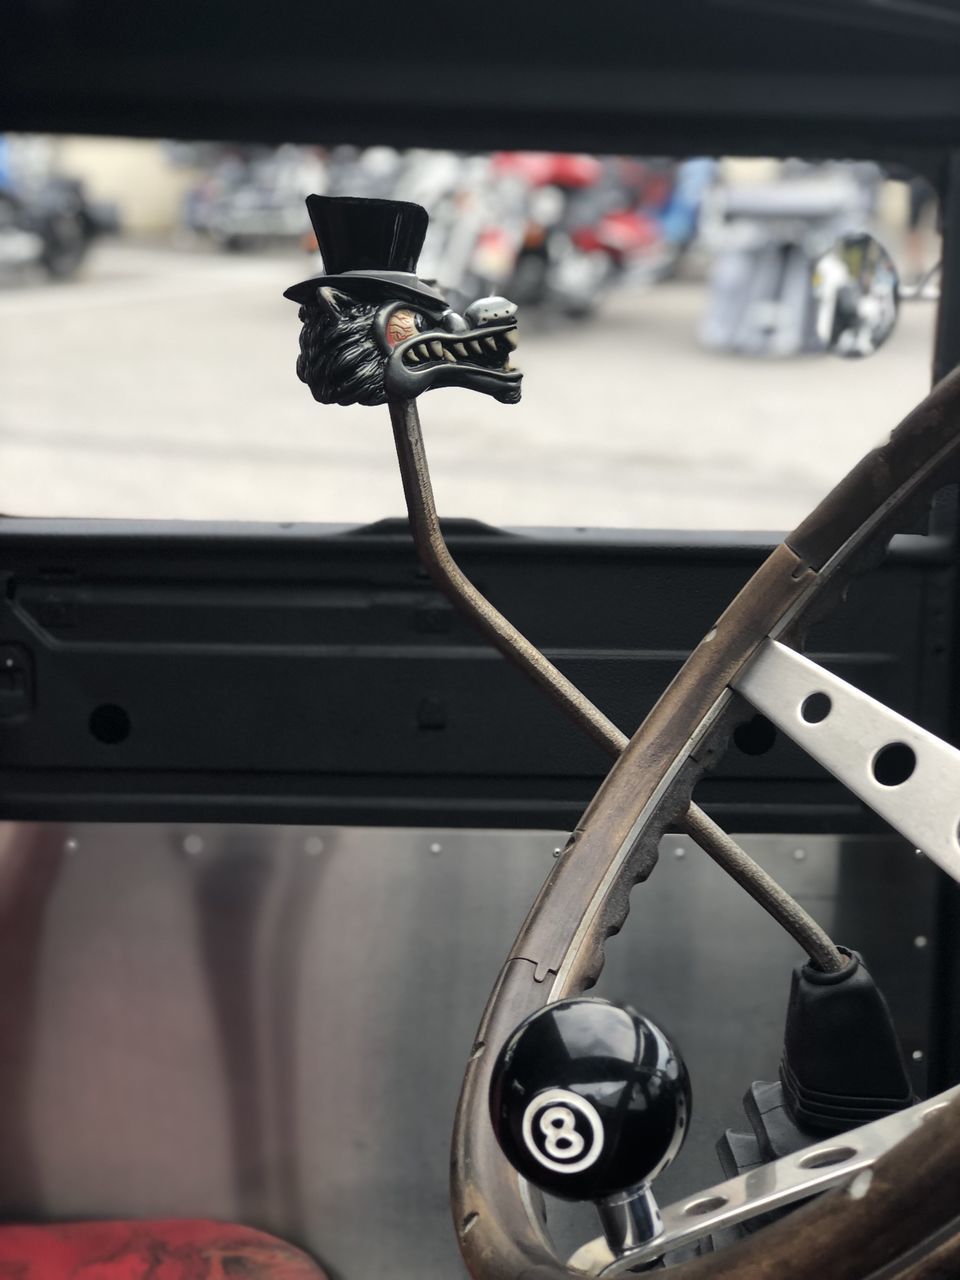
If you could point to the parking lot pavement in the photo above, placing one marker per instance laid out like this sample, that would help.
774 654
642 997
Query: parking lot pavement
163 385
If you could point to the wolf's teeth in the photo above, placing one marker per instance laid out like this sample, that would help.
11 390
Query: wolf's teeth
490 344
460 349
411 356
423 351
448 355
437 349
510 337
475 347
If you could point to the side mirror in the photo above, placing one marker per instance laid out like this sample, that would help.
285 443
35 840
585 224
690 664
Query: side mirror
856 292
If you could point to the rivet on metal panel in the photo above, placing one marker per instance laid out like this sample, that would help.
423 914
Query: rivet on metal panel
193 845
432 713
313 845
434 618
16 682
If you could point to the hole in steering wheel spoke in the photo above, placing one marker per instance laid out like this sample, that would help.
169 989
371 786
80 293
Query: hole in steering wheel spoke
825 1157
696 1208
815 708
893 764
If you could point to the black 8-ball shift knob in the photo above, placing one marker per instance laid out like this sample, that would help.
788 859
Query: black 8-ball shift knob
589 1099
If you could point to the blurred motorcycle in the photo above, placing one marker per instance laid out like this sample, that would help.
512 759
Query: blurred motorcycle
46 220
549 230
575 226
765 239
254 197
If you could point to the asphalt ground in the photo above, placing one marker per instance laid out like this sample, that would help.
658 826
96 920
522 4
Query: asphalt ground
161 385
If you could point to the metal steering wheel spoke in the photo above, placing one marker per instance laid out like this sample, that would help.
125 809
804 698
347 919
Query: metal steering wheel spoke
907 775
837 1162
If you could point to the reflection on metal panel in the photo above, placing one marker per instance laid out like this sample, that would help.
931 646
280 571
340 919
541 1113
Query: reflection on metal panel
269 1024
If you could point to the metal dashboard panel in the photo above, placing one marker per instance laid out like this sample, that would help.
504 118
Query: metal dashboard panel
248 673
269 1024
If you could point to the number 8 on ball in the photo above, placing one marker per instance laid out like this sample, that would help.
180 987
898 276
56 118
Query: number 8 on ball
563 1131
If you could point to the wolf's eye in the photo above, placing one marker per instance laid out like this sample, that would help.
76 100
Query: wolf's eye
401 325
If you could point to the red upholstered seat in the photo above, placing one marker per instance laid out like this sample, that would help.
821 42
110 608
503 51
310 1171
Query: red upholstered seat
174 1250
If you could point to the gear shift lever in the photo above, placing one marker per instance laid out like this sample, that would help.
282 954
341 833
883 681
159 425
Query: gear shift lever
590 1101
373 333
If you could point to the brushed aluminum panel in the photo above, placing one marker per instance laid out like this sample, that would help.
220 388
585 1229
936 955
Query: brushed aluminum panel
269 1024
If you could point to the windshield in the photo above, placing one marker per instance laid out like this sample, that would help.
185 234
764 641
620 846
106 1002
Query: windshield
671 359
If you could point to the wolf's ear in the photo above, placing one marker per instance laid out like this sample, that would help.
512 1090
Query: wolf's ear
327 301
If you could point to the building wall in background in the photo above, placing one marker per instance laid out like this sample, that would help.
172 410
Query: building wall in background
131 173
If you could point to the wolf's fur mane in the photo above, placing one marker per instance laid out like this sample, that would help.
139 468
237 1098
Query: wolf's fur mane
339 359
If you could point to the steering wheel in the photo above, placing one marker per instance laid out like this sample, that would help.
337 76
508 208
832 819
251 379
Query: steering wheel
910 1193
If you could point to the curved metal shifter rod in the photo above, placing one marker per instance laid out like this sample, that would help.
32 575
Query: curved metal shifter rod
447 574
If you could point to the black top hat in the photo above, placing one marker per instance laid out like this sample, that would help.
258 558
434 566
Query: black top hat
370 249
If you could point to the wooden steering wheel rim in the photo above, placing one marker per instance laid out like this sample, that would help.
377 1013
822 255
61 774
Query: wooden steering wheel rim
559 950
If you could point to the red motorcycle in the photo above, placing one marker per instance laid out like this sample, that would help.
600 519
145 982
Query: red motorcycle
586 227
